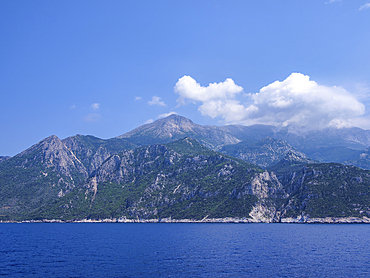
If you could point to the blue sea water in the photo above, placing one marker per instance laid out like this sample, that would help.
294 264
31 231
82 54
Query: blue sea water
184 250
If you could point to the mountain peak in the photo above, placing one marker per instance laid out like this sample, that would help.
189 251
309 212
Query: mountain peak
163 128
49 142
51 152
176 127
176 117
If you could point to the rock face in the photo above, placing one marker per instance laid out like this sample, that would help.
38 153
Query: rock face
53 153
50 169
84 177
92 151
179 180
38 175
184 181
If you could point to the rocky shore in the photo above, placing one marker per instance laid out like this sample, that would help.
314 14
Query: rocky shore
301 220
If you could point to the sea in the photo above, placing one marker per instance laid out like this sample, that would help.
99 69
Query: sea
184 250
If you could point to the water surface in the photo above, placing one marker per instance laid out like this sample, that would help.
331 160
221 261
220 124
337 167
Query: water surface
184 250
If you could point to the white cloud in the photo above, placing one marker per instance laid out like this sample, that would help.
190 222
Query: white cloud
157 101
365 6
166 114
296 102
332 1
92 117
300 102
72 106
138 98
362 122
149 121
95 106
189 89
217 98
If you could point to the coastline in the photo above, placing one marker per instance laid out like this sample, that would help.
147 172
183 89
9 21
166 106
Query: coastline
300 220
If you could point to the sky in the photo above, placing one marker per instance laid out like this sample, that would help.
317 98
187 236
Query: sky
103 68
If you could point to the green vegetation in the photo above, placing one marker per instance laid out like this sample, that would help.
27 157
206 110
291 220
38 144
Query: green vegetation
179 180
330 190
27 184
182 179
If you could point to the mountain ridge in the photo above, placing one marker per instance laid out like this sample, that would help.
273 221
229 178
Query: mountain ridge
85 177
329 145
321 145
176 127
185 180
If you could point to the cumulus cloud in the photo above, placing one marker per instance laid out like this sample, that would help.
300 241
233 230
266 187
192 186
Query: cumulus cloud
296 102
138 98
95 106
217 98
365 6
157 101
166 114
189 89
301 102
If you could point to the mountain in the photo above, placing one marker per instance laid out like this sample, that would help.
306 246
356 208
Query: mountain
352 138
327 190
362 160
337 154
184 180
176 127
37 176
134 177
93 151
50 169
327 145
4 158
263 153
290 163
178 180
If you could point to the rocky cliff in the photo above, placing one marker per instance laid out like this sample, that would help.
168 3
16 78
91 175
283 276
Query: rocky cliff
84 177
38 175
178 180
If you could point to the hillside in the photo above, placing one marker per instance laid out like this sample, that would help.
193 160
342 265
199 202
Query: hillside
176 127
38 175
327 145
264 153
362 159
84 177
179 180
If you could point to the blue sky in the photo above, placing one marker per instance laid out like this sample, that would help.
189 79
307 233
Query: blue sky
105 67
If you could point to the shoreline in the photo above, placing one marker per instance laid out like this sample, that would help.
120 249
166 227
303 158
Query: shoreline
301 220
